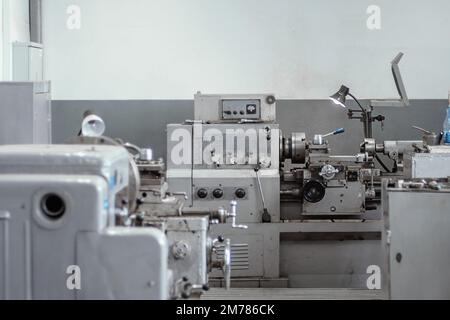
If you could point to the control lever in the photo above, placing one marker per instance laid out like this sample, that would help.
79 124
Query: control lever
135 148
422 129
318 138
178 193
232 214
266 218
222 215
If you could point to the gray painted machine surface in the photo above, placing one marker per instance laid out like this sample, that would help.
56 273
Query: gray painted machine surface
416 238
72 159
55 203
431 164
230 152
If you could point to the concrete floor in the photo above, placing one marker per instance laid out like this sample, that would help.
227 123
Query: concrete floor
291 294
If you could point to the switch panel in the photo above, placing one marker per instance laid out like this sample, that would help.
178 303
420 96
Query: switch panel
221 193
241 109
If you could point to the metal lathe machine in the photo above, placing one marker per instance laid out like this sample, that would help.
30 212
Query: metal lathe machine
100 218
288 187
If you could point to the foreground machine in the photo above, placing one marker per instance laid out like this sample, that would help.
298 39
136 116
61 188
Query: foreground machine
58 205
68 232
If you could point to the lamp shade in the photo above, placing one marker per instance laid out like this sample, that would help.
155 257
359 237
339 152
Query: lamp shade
92 125
339 97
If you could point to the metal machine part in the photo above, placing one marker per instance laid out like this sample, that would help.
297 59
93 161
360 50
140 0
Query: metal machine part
328 172
296 180
227 263
192 251
412 159
313 191
319 138
326 184
54 205
233 214
416 252
233 107
134 180
432 162
311 180
233 156
241 109
429 138
403 101
365 114
218 176
185 254
395 150
265 215
108 161
294 147
189 251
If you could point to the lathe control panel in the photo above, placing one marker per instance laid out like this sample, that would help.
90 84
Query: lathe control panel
241 109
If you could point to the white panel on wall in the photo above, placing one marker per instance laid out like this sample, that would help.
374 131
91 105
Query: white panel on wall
15 27
20 20
157 49
27 61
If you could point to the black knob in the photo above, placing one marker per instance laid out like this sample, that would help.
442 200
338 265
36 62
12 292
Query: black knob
240 193
218 193
202 193
313 191
270 99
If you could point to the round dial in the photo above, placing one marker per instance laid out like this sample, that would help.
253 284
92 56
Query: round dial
313 191
240 193
202 193
218 193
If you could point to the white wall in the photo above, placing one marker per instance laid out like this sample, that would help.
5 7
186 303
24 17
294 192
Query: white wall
1 40
16 27
150 49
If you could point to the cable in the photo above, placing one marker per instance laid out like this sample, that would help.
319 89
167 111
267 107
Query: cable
359 104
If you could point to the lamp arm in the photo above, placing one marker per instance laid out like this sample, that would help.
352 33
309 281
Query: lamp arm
359 104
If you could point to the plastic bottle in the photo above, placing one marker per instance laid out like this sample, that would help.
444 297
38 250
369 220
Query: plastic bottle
446 127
